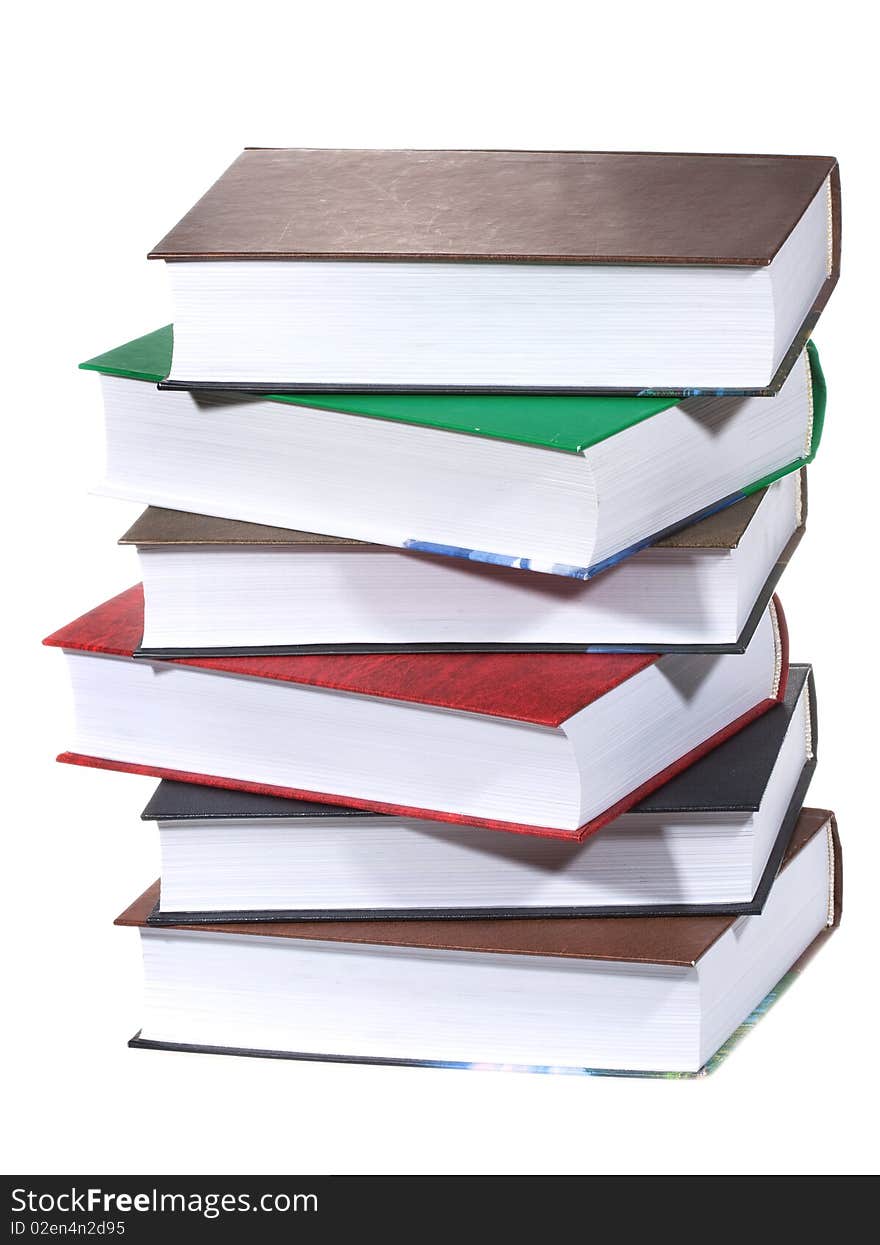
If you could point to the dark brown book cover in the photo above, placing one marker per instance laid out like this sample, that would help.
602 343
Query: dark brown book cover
675 940
566 207
574 207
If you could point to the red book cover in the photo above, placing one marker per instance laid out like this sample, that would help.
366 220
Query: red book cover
541 688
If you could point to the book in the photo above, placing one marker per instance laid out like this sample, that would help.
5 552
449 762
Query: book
708 842
546 743
565 485
639 995
219 587
502 270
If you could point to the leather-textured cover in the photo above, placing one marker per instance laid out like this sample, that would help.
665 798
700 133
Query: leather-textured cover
723 530
669 940
110 629
574 207
541 688
735 775
508 207
711 1065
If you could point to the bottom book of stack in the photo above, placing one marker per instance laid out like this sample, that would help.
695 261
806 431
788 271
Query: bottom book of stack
641 995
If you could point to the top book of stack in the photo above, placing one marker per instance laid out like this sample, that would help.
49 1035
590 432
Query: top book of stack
502 271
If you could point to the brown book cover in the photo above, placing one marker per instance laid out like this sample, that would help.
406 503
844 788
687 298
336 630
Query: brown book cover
540 207
156 526
573 207
722 530
678 941
675 940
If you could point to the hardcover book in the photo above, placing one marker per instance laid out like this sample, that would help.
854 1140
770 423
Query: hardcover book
708 842
218 587
546 743
635 995
503 270
568 485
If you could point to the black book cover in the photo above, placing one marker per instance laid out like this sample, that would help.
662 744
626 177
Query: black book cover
732 778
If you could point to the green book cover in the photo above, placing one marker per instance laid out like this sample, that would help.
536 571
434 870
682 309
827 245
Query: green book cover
571 423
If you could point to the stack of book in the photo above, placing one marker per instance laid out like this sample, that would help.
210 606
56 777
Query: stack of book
469 480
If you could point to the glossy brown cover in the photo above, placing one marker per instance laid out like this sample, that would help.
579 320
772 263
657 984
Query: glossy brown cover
678 940
584 207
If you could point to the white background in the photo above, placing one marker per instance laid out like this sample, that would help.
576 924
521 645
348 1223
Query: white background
118 117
